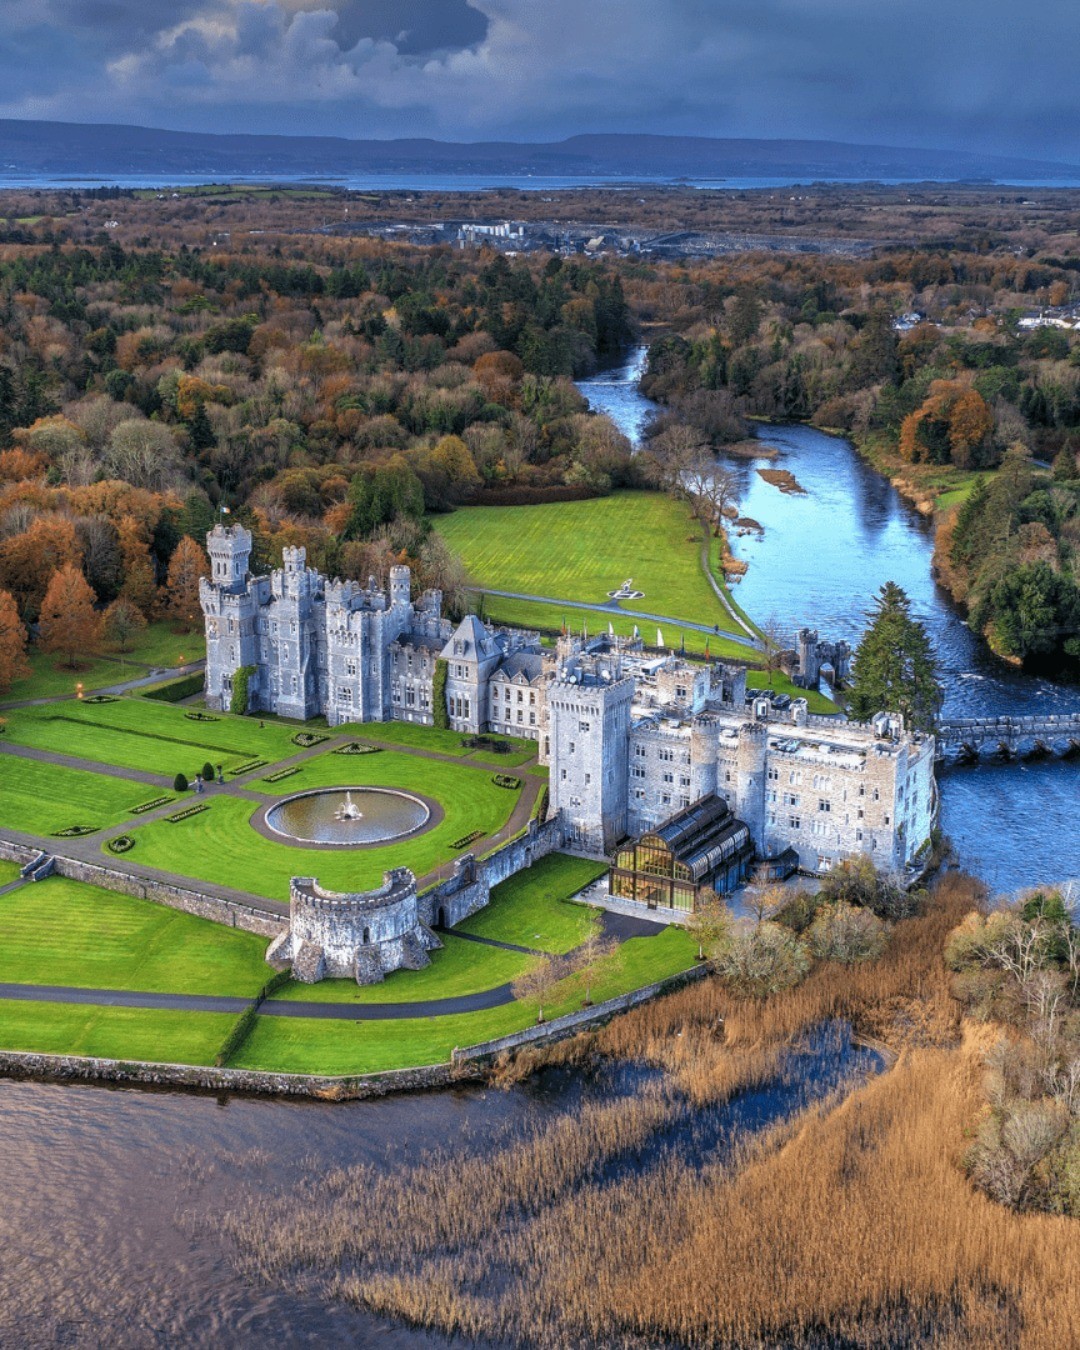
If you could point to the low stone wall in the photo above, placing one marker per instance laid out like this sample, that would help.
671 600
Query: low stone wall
24 1064
231 913
16 853
547 1033
469 889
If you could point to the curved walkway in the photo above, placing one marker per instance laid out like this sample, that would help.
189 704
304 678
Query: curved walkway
614 608
616 926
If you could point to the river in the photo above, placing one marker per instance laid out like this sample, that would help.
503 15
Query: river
819 561
111 1199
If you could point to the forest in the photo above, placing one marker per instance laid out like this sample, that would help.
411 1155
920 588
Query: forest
166 357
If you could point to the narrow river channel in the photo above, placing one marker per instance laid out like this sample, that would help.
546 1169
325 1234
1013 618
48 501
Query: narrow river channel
821 557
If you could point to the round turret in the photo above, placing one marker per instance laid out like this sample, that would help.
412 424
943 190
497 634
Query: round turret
400 585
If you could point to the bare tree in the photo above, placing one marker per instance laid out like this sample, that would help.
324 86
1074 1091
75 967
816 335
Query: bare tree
538 982
591 955
775 644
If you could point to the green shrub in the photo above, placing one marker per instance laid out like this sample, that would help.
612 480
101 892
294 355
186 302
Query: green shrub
440 717
241 696
177 690
123 843
209 773
180 783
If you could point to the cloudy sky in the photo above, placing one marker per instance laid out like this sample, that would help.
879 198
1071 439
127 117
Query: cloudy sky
993 75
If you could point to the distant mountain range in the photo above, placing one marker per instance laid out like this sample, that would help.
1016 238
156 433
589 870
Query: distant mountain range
91 150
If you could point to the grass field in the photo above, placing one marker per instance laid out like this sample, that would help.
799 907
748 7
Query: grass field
9 871
414 736
65 933
550 619
41 798
298 1045
220 846
582 550
530 909
157 645
460 968
134 733
112 1033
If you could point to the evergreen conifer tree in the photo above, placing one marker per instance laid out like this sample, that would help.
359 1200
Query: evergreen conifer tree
894 668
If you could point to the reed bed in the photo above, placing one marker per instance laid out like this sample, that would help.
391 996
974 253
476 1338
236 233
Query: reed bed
851 1224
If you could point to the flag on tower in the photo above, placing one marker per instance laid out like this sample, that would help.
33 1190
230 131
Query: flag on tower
682 645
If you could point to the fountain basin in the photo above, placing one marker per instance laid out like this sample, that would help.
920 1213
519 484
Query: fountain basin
322 817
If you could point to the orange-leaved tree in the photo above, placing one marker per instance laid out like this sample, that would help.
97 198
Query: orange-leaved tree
69 622
186 567
13 662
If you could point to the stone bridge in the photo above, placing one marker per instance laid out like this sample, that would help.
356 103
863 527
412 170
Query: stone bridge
969 738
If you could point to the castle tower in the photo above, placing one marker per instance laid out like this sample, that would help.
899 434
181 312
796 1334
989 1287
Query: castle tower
400 585
589 711
230 554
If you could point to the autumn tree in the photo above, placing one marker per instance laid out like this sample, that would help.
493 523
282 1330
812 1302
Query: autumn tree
952 426
13 663
28 560
123 619
187 567
136 566
69 623
710 925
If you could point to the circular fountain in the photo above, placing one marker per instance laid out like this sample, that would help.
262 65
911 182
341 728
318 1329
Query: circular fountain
346 817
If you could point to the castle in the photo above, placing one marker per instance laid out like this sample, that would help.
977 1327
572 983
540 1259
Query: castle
639 745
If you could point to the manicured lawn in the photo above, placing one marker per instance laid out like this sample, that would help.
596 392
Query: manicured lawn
113 1033
133 733
643 961
9 871
315 1045
157 645
298 1045
530 909
219 845
460 968
41 798
415 736
64 932
550 619
582 550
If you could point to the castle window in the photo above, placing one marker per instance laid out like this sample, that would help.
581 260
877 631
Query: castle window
669 778
637 773
532 719
823 805
684 781
532 699
666 799
562 775
774 775
794 822
521 696
791 799
521 716
573 746
639 750
680 691
583 726
350 667
588 779
346 695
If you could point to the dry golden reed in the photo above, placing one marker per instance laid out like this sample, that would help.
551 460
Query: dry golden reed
851 1225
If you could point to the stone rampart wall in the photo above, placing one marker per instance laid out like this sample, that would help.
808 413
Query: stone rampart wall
469 889
231 913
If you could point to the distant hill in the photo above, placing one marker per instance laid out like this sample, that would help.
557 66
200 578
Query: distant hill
69 148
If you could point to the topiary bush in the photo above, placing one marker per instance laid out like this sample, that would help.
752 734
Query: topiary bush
209 773
180 783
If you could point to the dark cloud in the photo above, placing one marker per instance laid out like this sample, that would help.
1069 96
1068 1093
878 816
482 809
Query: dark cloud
416 27
983 74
